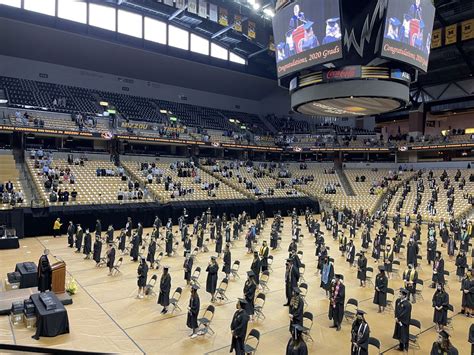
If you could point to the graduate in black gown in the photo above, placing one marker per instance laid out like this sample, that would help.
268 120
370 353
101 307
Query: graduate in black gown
461 265
165 288
238 327
98 228
292 276
296 308
134 249
142 277
360 334
250 287
150 257
44 272
362 269
110 258
97 251
256 267
211 282
350 253
169 243
336 304
402 320
264 253
79 236
440 303
87 245
381 285
296 345
443 345
70 234
227 259
467 289
410 277
438 270
193 311
412 252
219 242
122 240
188 267
109 234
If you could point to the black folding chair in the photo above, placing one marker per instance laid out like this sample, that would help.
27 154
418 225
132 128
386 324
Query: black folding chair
252 341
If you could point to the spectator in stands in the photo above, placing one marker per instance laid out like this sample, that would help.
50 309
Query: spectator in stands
73 195
19 196
6 197
9 186
53 196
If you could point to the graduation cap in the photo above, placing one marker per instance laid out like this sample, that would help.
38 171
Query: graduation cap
195 287
332 21
250 273
360 312
404 291
166 267
395 22
213 257
242 302
308 25
444 334
339 276
381 268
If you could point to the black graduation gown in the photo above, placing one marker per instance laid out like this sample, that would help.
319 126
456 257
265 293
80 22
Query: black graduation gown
165 287
431 250
296 310
362 269
87 244
249 294
461 263
98 228
211 282
273 239
150 257
122 242
436 350
44 274
255 267
351 255
336 306
439 276
239 331
264 258
187 246
467 298
403 314
440 299
111 258
97 251
360 333
79 236
110 235
70 235
219 243
292 277
194 305
169 243
134 250
227 261
380 297
296 347
188 267
327 285
412 252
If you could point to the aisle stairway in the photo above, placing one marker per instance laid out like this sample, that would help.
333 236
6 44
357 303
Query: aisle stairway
344 181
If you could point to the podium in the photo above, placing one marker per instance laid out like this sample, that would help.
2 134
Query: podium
58 277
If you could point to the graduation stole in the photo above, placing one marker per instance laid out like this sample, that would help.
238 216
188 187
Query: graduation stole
411 275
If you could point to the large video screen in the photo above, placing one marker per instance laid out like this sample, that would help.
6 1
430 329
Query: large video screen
307 33
407 34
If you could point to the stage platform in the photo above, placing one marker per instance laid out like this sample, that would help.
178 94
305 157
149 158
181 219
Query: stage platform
8 297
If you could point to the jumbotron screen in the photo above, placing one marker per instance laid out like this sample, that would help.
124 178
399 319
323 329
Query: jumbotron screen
407 35
307 33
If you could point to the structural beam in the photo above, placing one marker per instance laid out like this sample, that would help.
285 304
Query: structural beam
177 12
225 29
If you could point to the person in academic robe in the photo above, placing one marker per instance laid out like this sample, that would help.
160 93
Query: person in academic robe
122 240
187 245
296 345
381 285
461 265
431 249
388 260
402 320
250 287
70 234
169 243
443 345
327 275
150 257
365 240
336 304
360 334
293 247
110 258
219 242
409 277
350 253
362 269
134 249
211 282
440 304
98 228
227 259
467 289
97 251
412 252
296 308
79 237
273 239
87 245
44 273
470 338
238 328
193 311
139 233
263 254
292 276
128 227
142 277
165 288
438 270
109 233
256 267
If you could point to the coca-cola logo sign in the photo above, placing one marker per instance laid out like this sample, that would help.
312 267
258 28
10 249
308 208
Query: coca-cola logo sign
352 72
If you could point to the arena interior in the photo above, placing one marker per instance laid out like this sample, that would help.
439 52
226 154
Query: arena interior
244 176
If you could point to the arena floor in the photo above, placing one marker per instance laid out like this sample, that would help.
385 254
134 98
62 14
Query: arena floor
106 316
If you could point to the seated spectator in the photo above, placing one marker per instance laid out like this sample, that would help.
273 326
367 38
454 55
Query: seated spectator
73 195
19 196
53 197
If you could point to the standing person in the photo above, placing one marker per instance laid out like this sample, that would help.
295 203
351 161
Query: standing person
44 272
188 267
79 236
227 259
292 276
440 303
388 260
97 251
443 345
410 276
57 227
134 249
169 243
362 269
193 311
219 244
150 257
98 229
110 258
431 249
402 320
350 255
87 245
165 287
461 265
256 266
142 277
249 293
467 288
238 328
360 334
438 270
470 338
296 308
70 234
264 252
296 345
412 252
109 234
211 282
381 284
327 275
122 240
336 305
